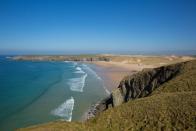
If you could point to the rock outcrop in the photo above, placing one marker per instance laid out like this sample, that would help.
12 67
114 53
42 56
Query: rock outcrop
143 83
140 85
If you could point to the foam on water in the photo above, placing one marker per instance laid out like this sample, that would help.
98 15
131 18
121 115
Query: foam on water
79 70
74 64
98 77
65 109
77 84
91 71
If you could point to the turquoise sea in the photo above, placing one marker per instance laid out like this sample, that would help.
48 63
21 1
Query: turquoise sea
38 92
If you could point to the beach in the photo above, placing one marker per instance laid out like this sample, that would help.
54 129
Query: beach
119 66
110 73
113 72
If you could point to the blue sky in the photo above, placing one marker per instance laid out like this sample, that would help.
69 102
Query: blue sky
54 26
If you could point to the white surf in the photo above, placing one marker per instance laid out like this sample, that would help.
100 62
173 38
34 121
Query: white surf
65 109
77 84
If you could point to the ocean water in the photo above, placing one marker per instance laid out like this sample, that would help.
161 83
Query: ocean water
38 92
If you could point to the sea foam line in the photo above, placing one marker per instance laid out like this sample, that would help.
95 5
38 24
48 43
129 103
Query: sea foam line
65 109
77 84
98 77
79 70
91 71
74 64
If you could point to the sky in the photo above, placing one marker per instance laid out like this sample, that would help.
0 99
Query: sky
93 26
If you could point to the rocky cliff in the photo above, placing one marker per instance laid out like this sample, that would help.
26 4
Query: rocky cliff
140 85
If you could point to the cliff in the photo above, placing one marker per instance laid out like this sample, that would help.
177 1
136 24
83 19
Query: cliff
142 84
162 98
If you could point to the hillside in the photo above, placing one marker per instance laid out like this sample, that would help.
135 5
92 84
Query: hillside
163 98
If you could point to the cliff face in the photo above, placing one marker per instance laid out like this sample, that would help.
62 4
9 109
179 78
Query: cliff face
140 85
143 83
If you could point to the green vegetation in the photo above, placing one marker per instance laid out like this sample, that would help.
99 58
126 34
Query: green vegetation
172 106
185 81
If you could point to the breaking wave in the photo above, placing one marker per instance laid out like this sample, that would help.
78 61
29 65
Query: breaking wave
91 71
65 109
77 84
98 77
79 70
73 64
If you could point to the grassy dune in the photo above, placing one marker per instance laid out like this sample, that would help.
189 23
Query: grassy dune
172 106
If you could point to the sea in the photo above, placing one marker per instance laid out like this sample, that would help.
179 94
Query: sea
36 92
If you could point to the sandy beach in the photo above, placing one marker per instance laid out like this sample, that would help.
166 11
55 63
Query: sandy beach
113 72
120 66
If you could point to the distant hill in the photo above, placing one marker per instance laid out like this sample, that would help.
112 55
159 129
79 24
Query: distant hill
163 98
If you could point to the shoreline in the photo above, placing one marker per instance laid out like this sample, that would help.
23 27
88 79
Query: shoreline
111 73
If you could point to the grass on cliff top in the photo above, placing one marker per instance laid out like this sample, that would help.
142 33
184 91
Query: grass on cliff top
171 107
169 111
185 81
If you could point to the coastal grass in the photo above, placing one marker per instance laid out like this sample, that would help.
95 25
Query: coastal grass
150 60
172 106
185 81
169 111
